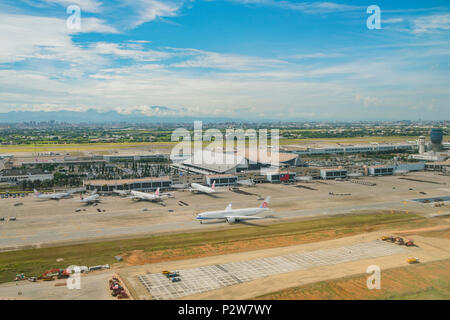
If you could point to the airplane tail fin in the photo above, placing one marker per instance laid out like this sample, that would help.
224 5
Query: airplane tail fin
157 192
266 202
36 193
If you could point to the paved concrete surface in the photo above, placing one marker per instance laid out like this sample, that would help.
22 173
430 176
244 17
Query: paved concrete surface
207 278
94 286
429 249
41 223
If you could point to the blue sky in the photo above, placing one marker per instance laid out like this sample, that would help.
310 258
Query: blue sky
251 59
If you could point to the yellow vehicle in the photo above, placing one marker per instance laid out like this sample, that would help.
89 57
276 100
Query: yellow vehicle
413 260
50 278
165 272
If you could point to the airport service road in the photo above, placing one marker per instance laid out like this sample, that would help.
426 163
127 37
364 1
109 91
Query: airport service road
55 234
93 287
212 277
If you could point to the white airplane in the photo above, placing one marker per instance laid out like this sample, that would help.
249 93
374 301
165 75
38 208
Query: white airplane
92 198
235 215
247 183
198 188
154 197
122 193
54 196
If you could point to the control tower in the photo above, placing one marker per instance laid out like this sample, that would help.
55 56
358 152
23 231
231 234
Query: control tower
421 142
436 136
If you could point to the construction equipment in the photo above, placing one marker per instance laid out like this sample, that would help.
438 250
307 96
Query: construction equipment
412 260
50 275
165 272
173 274
410 243
117 290
388 238
94 268
19 277
399 241
48 278
175 279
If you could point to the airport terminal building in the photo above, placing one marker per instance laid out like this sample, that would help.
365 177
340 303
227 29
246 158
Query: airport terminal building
144 184
17 175
209 162
222 180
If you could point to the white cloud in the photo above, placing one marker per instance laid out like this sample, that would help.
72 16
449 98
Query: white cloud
150 10
85 5
317 55
206 59
93 76
306 7
129 51
94 25
392 20
431 23
134 89
23 37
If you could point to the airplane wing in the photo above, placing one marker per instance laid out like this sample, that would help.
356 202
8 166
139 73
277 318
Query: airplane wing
167 194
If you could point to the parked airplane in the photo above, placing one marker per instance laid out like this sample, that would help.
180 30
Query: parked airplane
122 193
247 183
156 197
235 215
198 188
55 196
92 198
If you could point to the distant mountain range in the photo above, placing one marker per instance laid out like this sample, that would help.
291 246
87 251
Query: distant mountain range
94 116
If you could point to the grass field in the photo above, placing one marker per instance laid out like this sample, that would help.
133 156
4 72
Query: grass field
422 281
128 145
80 147
34 262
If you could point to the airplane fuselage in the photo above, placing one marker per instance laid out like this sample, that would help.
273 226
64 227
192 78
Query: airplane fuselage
56 196
201 189
91 199
136 195
122 193
225 214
